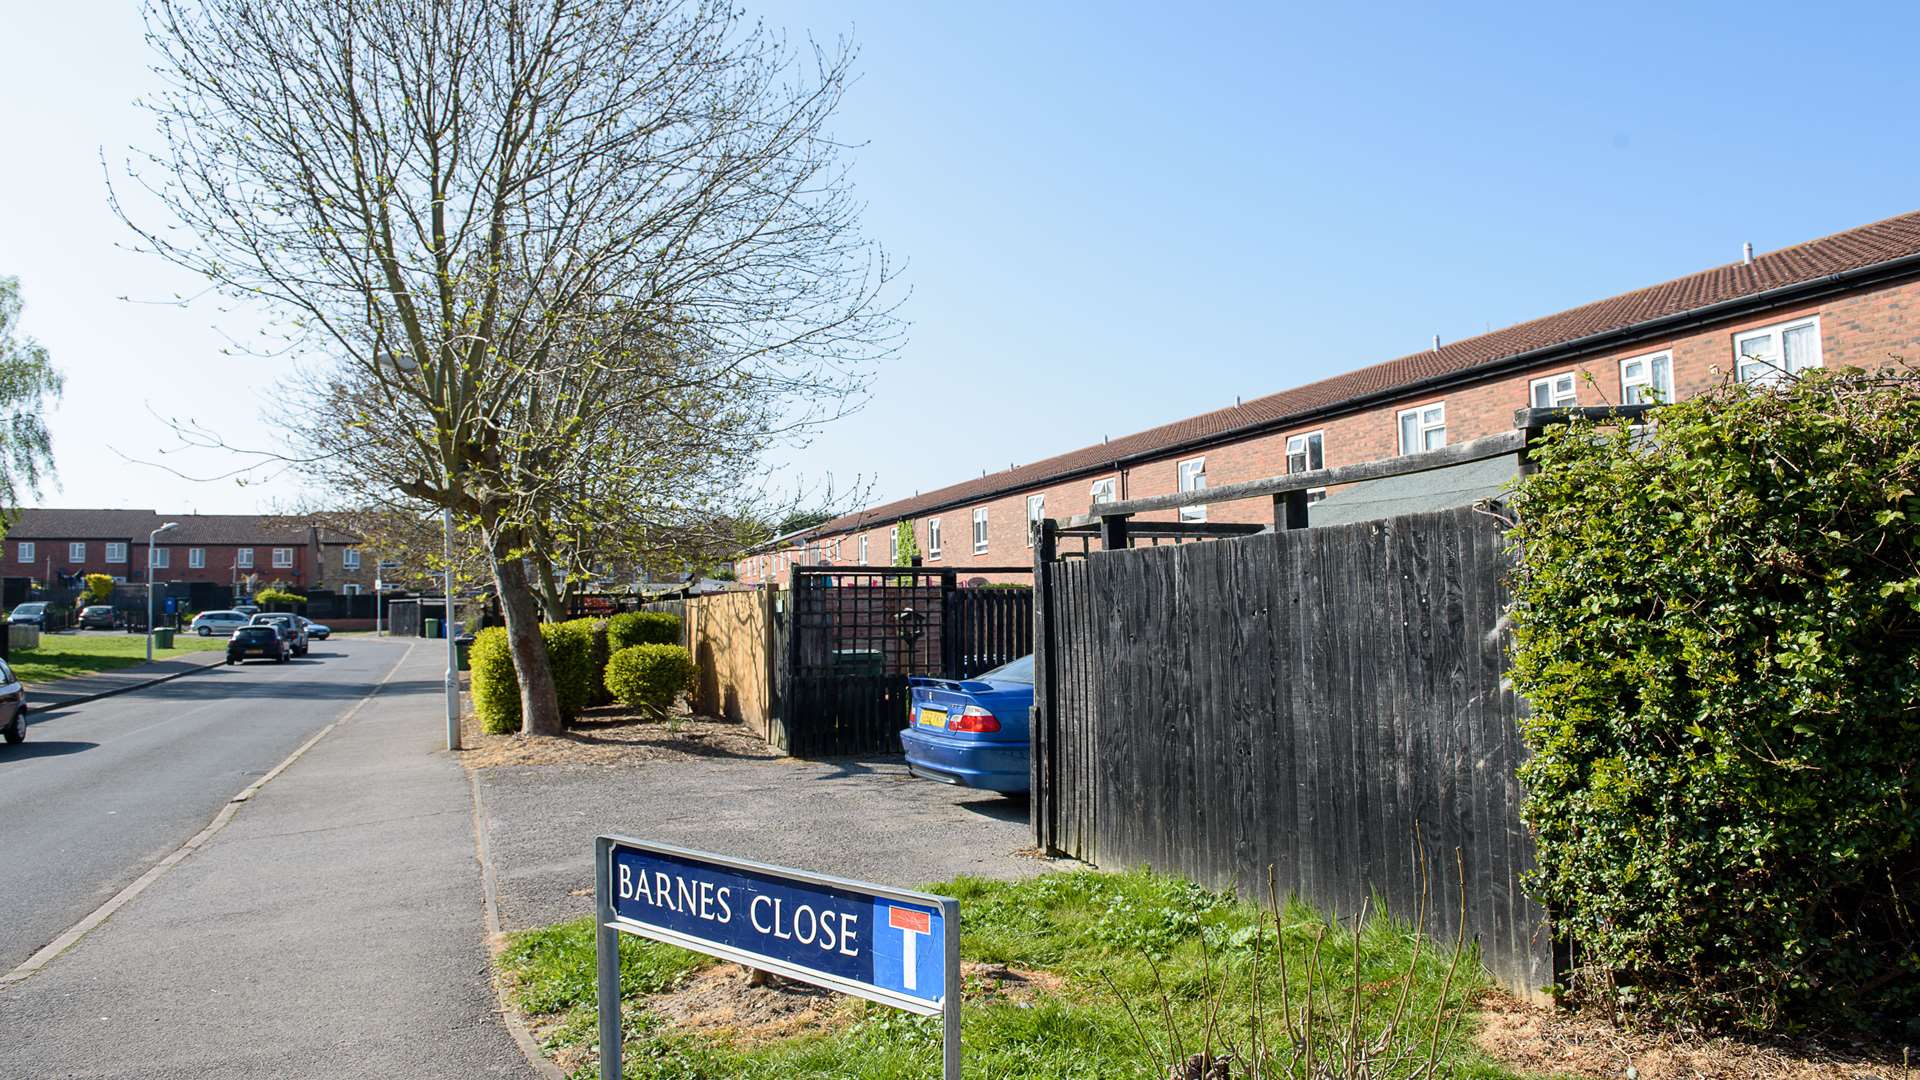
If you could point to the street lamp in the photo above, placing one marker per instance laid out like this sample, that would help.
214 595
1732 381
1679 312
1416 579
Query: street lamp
407 365
151 538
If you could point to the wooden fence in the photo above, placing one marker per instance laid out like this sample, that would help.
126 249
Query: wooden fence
737 639
1310 700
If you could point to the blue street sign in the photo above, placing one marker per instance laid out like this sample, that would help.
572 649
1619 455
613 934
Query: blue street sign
889 945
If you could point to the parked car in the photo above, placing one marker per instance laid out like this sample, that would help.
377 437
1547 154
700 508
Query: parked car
972 732
249 610
13 705
295 632
97 617
209 623
269 641
315 629
30 614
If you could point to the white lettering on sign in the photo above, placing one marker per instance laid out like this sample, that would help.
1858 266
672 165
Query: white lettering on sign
911 925
829 930
826 929
676 894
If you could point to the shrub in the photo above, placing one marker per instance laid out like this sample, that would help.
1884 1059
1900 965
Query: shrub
650 677
1716 629
99 589
642 628
597 661
496 688
269 597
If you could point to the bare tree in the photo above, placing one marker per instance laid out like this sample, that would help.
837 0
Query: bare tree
502 220
28 384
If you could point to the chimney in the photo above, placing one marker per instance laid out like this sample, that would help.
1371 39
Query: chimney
1747 253
1436 343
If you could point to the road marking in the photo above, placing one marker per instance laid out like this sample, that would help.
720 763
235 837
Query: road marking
105 911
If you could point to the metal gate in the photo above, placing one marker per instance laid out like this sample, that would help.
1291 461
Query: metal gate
856 634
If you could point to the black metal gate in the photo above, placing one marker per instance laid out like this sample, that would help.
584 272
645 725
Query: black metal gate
856 634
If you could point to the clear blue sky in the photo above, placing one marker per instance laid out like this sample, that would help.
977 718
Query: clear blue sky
1114 216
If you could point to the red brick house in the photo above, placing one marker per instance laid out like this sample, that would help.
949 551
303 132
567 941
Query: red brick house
219 548
1850 299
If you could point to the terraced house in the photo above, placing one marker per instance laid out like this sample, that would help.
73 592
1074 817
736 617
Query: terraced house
46 544
1847 300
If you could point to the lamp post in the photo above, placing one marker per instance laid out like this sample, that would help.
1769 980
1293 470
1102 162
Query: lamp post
409 366
152 537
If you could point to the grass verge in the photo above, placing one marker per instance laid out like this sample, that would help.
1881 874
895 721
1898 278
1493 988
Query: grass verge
61 656
1176 955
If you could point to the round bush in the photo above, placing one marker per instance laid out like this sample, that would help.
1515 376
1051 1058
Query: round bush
650 677
496 687
1718 631
642 628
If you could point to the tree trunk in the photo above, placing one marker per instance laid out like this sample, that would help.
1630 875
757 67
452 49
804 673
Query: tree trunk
539 704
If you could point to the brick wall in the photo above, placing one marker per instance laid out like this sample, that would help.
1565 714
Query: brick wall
1861 329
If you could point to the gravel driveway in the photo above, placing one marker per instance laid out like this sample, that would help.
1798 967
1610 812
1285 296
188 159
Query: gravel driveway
860 818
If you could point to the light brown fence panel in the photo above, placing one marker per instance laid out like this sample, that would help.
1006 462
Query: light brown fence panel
732 640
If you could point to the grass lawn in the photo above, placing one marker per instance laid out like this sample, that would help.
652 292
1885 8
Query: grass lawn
61 655
1085 947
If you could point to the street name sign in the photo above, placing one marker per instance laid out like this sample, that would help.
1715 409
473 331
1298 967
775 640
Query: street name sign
894 946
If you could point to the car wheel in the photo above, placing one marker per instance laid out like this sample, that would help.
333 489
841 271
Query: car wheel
17 733
206 631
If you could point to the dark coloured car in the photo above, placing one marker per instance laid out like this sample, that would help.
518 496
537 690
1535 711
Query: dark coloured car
264 641
296 633
315 630
13 705
33 614
972 732
97 617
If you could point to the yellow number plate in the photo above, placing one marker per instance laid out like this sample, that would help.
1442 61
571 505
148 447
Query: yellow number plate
931 717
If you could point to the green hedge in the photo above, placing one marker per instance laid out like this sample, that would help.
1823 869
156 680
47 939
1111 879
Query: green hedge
1718 631
496 689
642 628
651 677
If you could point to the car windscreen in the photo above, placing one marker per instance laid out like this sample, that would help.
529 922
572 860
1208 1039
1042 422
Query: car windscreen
1020 671
254 633
29 609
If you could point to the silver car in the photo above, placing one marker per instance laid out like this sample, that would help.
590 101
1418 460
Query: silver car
209 623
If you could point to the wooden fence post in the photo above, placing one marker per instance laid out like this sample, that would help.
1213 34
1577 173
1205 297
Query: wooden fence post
1042 771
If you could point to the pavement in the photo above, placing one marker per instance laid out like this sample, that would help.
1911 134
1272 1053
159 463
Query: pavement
332 929
863 818
80 689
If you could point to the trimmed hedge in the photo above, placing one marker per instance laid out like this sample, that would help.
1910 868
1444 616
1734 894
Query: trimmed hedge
496 689
642 628
1718 630
651 677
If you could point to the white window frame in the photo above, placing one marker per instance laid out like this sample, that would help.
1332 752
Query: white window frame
76 551
1109 484
196 558
1300 444
25 553
160 558
1633 388
1036 513
1765 370
893 546
933 539
980 537
282 558
1186 481
350 588
863 549
1423 427
350 558
116 552
1562 391
243 558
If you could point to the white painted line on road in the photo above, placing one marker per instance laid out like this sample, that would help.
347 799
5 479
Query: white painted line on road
105 911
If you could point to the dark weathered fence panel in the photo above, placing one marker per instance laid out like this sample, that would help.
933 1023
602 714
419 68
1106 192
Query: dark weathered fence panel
1311 700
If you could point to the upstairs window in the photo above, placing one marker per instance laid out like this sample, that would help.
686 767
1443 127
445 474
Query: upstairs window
1554 392
77 552
1103 491
162 558
1036 513
1645 380
26 551
893 546
1772 353
863 549
243 558
979 530
282 558
1308 453
196 558
933 538
350 559
116 553
1424 428
1193 477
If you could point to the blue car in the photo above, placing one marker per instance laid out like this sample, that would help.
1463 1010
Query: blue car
972 732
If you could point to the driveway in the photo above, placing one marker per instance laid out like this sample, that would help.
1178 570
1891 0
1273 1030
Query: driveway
858 818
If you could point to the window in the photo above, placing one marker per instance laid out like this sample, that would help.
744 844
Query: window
1553 392
863 549
1645 379
1103 491
1193 477
1772 353
117 553
282 558
26 551
979 530
350 589
243 558
1307 453
1424 428
1036 513
77 552
196 557
350 559
933 538
162 557
893 547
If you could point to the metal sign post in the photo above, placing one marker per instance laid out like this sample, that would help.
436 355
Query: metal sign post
894 946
